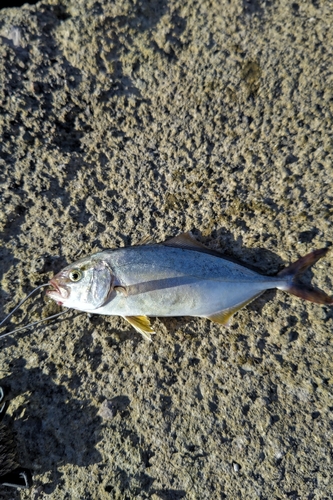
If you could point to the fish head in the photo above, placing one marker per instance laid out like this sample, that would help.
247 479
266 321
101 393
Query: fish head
84 285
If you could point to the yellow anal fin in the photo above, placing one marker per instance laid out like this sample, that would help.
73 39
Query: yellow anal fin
142 325
223 317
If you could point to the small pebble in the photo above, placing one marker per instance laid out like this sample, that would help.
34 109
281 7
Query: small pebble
107 410
15 35
236 466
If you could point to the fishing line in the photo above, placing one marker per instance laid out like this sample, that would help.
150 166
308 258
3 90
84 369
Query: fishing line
30 324
33 324
22 302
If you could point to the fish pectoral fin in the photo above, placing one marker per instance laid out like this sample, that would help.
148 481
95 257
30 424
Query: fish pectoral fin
121 289
223 317
142 325
185 240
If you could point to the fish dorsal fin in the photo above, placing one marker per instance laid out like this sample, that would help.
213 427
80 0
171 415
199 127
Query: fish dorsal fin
146 240
142 325
185 240
223 317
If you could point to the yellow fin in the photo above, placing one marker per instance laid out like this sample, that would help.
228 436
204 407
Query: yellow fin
141 324
223 317
185 240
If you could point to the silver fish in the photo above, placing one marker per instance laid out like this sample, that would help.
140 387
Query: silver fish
179 277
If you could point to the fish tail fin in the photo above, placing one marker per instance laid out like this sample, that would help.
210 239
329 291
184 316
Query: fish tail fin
291 272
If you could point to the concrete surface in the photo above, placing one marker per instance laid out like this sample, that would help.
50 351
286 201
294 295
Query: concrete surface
126 119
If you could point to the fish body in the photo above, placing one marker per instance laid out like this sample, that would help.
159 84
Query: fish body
165 281
179 277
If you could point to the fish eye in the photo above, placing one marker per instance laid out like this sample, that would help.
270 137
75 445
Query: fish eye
75 275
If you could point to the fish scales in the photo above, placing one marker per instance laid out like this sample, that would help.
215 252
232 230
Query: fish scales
166 281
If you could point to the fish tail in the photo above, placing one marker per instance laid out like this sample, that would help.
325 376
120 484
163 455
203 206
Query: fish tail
291 273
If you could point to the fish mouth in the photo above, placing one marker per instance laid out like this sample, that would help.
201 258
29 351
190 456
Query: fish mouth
57 292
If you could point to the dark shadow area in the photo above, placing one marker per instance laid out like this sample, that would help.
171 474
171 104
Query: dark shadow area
257 8
16 3
308 236
12 474
169 494
52 428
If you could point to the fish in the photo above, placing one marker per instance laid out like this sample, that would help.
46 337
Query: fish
179 277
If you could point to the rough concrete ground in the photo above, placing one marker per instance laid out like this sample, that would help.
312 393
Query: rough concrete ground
132 118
